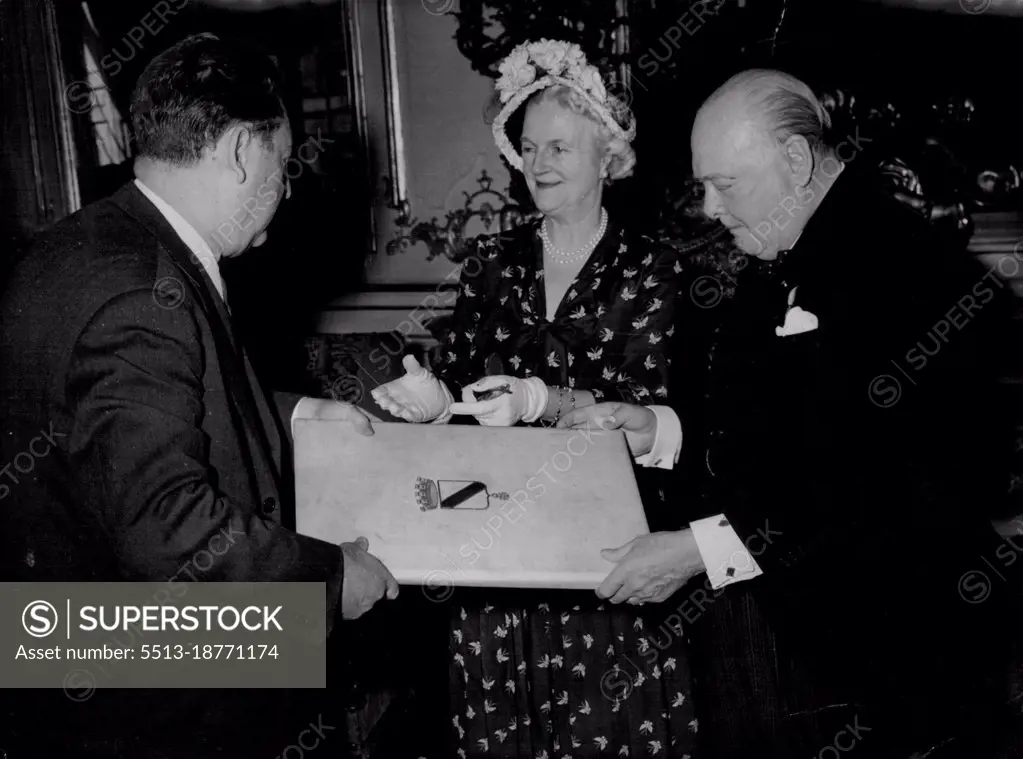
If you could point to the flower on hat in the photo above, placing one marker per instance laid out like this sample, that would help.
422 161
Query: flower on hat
516 73
533 66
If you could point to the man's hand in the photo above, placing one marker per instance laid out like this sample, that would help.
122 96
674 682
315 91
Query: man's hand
418 396
651 567
326 409
637 422
366 580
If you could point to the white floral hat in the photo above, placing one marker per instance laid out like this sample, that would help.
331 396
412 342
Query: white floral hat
535 66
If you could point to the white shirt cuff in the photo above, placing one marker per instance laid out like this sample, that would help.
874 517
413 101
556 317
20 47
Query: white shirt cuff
296 415
727 560
667 440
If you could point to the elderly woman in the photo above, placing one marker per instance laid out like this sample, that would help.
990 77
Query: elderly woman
567 311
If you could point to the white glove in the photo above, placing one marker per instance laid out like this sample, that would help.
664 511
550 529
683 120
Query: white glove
526 401
417 397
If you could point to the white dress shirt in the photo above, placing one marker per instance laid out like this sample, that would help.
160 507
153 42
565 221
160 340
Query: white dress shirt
192 239
203 254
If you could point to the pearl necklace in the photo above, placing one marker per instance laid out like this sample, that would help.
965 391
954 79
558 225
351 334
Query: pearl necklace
562 257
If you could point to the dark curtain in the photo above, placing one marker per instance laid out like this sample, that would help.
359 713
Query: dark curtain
40 57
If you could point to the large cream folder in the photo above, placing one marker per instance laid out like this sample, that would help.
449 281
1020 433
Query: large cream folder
553 500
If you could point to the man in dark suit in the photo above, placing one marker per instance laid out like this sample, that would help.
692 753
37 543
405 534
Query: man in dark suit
155 455
845 453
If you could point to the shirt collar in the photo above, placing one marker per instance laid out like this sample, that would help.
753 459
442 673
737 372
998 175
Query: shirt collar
189 236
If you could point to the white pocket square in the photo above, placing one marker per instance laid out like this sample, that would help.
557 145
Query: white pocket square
797 321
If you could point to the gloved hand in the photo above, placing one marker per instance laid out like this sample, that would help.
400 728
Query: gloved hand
417 397
526 401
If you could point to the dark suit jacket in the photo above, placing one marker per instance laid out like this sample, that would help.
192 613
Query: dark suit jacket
151 441
860 461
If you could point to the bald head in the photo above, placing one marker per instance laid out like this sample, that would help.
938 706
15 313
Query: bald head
755 143
781 104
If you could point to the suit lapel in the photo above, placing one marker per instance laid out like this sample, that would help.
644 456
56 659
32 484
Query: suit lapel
243 387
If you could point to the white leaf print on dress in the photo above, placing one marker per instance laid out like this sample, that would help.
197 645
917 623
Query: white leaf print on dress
475 647
470 713
641 322
661 391
487 683
507 272
488 706
544 662
647 259
515 361
501 735
654 338
552 359
501 632
501 335
656 672
484 744
628 293
557 662
647 728
566 642
677 267
650 282
509 686
608 373
586 708
563 698
458 635
623 751
669 664
655 305
502 656
579 670
545 707
460 659
678 701
643 645
630 273
654 747
606 335
649 363
588 641
601 742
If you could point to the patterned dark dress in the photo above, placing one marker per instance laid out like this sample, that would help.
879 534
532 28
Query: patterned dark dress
546 674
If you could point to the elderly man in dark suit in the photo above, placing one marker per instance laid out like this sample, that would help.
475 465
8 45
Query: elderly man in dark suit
843 454
117 344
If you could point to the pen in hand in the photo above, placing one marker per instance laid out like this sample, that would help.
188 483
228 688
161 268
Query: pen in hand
491 393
